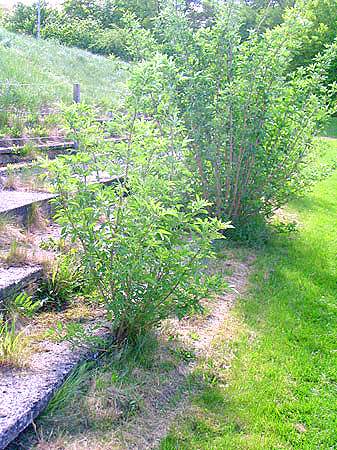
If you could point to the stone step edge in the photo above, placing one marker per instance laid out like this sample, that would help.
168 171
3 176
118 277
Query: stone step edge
21 213
51 380
31 276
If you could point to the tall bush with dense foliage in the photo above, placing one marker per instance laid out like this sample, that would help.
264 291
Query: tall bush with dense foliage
249 123
119 28
143 249
23 18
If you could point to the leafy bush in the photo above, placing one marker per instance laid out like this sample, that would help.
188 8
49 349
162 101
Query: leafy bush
76 32
316 30
142 251
249 124
129 41
23 19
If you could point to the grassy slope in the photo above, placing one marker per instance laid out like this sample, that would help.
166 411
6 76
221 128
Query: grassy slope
281 390
51 69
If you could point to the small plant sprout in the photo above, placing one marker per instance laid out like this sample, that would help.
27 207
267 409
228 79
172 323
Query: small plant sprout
17 254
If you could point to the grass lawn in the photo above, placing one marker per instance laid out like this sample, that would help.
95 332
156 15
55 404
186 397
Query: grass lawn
281 391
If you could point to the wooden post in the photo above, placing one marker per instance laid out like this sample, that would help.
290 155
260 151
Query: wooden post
38 32
76 99
76 93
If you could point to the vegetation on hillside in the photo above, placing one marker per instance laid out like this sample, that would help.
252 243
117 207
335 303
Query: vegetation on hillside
110 27
38 76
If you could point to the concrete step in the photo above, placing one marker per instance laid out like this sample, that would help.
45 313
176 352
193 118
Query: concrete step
20 205
14 280
26 392
10 155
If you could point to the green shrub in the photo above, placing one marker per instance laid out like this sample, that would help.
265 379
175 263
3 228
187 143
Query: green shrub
141 249
62 282
249 124
129 40
73 33
23 18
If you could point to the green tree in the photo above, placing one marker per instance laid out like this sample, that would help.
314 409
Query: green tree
23 19
318 20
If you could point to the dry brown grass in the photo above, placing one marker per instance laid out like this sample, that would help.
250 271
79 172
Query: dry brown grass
14 345
10 232
37 219
24 180
22 247
19 254
16 256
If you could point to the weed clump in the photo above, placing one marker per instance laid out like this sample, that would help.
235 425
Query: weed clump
13 344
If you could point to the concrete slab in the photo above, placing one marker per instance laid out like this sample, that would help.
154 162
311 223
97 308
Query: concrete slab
19 204
26 392
15 279
10 200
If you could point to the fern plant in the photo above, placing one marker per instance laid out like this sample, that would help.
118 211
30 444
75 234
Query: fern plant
24 305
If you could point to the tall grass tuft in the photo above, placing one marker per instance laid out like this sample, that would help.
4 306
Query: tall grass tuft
13 344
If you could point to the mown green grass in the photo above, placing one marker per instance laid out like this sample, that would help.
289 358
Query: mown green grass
48 71
282 388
